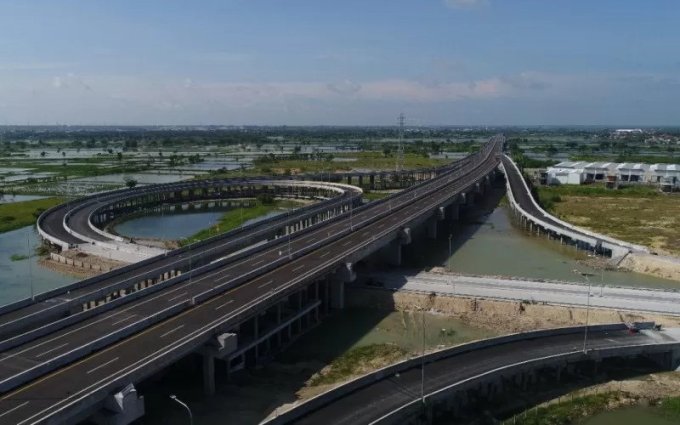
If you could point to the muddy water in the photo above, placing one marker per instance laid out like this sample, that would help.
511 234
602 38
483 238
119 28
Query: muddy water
17 277
492 245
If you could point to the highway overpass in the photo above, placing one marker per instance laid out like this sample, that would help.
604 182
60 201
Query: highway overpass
536 219
237 309
471 375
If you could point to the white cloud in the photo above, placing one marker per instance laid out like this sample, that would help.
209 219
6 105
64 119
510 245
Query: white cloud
466 4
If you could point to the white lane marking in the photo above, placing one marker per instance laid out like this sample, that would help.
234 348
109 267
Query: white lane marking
223 277
347 243
325 254
298 267
177 296
171 331
122 320
224 305
258 262
262 286
7 412
52 349
102 365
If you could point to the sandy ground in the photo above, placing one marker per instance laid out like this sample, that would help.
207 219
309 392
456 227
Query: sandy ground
657 265
79 271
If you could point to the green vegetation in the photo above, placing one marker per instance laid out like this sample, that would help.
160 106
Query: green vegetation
236 217
374 196
18 257
671 407
20 214
569 412
637 214
358 360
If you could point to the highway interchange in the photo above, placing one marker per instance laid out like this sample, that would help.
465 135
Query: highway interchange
128 359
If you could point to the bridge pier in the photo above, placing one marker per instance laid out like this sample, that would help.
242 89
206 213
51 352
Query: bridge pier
121 408
344 274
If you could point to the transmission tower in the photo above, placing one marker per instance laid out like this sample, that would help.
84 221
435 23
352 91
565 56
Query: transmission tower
400 148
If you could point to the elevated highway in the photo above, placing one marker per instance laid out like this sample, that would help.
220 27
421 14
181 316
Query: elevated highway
459 377
533 217
76 366
89 293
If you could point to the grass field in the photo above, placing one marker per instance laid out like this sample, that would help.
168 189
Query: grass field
641 215
236 217
363 160
20 214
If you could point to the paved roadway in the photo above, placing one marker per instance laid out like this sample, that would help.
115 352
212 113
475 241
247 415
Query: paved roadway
524 199
559 293
201 252
376 400
135 357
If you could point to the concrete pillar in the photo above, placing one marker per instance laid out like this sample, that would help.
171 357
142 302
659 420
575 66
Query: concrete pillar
432 228
208 374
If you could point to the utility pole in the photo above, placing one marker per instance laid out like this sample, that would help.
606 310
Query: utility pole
400 148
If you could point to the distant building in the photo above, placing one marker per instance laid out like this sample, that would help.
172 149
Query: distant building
632 173
624 132
598 171
566 172
667 176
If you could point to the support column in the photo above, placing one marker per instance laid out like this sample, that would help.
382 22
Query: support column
208 374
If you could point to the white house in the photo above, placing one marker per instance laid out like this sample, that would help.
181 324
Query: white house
665 174
634 173
598 171
566 172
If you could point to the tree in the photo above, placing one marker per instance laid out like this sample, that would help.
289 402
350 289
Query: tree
42 154
130 182
120 156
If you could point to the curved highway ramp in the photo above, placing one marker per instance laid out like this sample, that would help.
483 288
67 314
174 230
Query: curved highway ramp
477 371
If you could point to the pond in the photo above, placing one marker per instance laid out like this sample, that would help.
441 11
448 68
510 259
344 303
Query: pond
17 277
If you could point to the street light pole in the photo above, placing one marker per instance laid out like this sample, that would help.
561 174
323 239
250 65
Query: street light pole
585 332
422 361
30 272
181 403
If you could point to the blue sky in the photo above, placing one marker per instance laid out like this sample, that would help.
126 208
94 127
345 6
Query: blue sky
307 62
